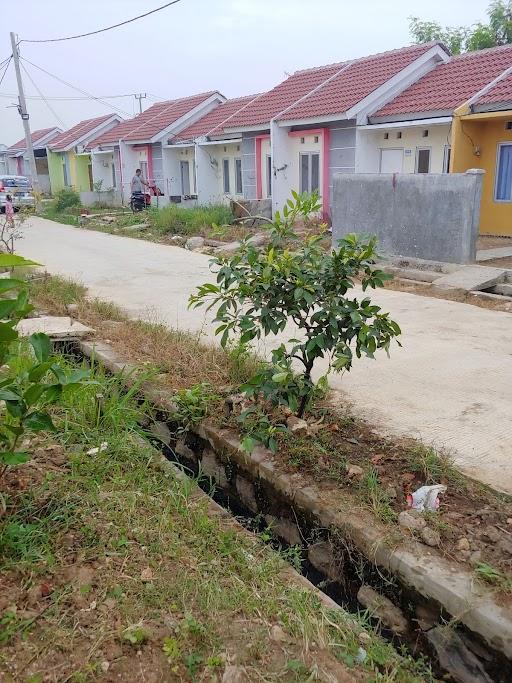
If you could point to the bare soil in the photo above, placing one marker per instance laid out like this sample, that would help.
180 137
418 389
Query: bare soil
493 242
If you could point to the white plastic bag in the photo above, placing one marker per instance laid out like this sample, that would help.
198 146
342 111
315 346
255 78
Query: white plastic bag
426 497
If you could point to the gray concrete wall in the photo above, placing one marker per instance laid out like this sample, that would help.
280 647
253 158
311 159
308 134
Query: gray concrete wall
111 198
427 216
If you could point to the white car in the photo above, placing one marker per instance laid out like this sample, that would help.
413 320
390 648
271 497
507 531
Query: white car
20 190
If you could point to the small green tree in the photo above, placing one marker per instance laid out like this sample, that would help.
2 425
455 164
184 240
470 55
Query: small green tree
259 293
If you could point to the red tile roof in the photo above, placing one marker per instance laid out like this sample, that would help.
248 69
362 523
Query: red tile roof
355 82
37 135
215 120
501 92
350 82
68 137
152 121
450 85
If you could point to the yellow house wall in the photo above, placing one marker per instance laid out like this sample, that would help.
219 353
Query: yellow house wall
485 134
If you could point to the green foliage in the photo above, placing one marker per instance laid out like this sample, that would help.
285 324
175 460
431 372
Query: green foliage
259 292
175 219
375 496
66 199
468 38
257 428
135 634
493 576
192 404
29 383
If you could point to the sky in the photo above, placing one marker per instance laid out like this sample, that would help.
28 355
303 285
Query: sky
238 47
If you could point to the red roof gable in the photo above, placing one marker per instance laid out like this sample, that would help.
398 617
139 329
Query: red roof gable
152 121
355 82
215 119
68 137
450 85
501 92
350 82
37 135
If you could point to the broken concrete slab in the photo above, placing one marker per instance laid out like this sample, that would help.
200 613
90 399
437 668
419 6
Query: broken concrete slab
491 254
54 326
471 278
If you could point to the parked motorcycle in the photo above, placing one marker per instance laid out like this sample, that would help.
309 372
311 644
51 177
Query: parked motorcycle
138 202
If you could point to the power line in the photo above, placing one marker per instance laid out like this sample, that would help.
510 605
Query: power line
5 70
52 110
102 30
74 87
66 99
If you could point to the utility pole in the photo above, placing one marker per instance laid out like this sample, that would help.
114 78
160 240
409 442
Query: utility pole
22 108
141 96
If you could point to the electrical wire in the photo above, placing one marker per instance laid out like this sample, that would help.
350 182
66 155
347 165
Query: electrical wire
66 99
4 61
51 109
5 70
74 87
102 30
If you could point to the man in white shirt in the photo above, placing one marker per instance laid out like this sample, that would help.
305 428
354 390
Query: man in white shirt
138 182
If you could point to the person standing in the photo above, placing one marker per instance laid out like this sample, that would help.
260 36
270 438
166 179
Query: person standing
9 211
138 182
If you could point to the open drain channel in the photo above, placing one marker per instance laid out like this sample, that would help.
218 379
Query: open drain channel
328 559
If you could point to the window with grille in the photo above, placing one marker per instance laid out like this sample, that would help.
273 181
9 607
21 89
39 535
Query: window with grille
309 165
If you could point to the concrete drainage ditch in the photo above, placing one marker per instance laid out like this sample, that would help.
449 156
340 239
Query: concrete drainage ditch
418 598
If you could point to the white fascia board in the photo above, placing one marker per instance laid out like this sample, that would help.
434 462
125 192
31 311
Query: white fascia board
248 129
441 120
398 83
328 118
180 145
94 133
42 142
489 86
97 150
185 120
228 141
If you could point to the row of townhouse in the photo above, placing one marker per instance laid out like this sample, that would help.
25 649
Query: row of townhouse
417 109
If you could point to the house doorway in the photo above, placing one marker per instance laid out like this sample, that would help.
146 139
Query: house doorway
391 160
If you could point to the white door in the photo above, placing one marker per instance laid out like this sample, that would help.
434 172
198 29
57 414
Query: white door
391 160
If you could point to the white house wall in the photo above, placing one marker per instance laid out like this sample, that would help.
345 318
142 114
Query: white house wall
212 159
371 142
102 169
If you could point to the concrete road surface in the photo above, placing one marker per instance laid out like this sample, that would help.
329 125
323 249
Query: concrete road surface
450 385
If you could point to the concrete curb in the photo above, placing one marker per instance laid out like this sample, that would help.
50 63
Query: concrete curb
425 571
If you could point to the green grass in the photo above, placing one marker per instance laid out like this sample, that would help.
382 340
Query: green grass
375 497
206 578
434 467
175 219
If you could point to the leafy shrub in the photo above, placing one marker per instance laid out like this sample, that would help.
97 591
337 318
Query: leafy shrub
259 292
66 199
187 221
29 383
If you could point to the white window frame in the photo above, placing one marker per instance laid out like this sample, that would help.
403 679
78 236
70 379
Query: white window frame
66 170
238 190
310 170
268 174
422 149
447 158
226 177
498 153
